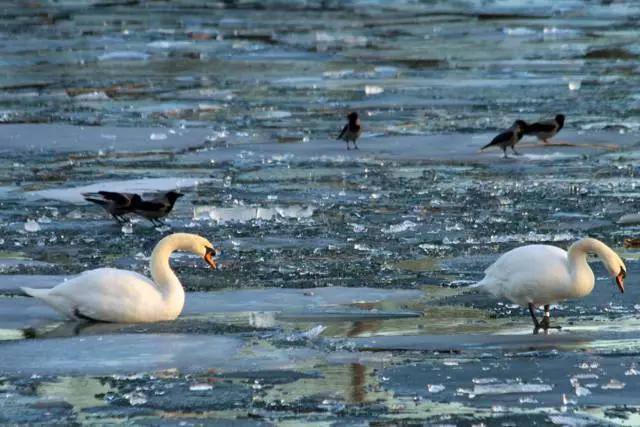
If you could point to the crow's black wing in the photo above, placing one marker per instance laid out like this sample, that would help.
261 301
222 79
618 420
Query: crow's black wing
541 127
119 198
344 129
503 138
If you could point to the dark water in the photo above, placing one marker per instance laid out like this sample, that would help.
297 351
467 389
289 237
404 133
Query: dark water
341 298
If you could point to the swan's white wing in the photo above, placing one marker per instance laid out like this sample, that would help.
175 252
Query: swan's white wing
532 273
108 295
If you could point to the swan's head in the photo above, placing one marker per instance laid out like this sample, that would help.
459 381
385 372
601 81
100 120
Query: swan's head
201 246
617 269
611 260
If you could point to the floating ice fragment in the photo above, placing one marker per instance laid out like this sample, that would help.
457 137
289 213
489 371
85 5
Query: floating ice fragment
613 385
124 56
166 44
431 247
436 203
505 388
307 335
267 115
200 387
484 380
361 247
399 228
588 365
44 220
632 371
629 219
518 31
528 399
568 421
575 85
92 96
32 226
136 398
435 388
582 391
386 71
158 136
245 214
587 376
358 228
127 228
337 74
373 90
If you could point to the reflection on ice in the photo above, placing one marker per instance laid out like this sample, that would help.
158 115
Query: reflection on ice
134 353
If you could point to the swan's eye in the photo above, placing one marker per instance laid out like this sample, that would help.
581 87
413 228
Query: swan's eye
622 273
209 251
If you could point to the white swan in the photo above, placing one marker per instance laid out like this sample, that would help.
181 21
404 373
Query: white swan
539 275
121 296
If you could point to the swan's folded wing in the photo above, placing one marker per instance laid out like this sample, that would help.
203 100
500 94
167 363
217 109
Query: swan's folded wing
109 295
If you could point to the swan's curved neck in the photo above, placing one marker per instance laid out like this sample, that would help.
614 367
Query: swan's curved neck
582 278
163 276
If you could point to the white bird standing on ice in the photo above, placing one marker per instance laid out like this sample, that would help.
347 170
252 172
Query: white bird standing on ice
539 275
121 296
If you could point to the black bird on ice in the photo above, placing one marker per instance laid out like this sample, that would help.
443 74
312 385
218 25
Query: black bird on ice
352 130
546 129
117 204
156 209
509 138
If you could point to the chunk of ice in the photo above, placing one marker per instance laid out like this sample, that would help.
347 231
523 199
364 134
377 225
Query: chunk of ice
435 388
504 388
32 226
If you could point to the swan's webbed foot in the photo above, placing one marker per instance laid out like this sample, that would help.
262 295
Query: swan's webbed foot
545 323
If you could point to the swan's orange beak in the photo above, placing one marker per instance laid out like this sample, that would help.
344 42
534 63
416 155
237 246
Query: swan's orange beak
209 258
620 281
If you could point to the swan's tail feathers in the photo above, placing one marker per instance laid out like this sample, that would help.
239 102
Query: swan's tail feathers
36 293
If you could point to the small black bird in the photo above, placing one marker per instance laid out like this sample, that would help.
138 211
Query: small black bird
117 204
352 130
158 208
509 138
547 129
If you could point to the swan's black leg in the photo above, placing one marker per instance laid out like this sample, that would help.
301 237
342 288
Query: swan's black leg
536 324
545 324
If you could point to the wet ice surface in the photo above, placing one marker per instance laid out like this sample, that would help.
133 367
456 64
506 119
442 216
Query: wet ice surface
342 295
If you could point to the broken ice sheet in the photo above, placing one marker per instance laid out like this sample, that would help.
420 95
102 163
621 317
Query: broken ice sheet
435 388
506 388
249 213
613 384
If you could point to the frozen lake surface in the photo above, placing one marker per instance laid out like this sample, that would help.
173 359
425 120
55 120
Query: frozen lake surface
342 296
